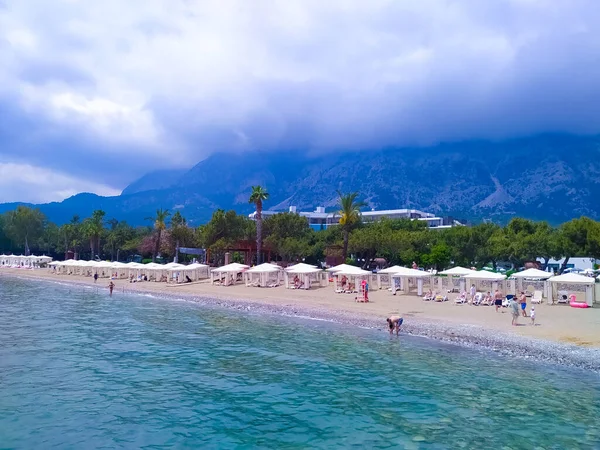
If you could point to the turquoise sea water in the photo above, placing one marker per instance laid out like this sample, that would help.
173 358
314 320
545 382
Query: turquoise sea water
81 370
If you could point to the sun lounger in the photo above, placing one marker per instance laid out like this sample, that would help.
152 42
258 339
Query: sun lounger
337 291
563 297
487 301
460 300
478 299
440 298
537 297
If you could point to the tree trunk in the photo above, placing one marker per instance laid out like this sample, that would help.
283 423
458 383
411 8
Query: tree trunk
92 248
563 266
345 250
26 246
157 245
546 261
258 234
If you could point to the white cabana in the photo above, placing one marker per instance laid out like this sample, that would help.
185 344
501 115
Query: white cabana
536 278
483 278
402 278
194 272
570 280
388 271
349 279
264 275
303 275
451 276
228 274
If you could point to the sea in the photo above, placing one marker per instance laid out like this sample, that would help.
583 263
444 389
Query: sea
82 370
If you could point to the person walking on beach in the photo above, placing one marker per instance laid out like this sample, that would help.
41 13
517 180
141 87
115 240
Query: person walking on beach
497 299
111 286
514 306
473 291
95 277
532 315
523 302
394 322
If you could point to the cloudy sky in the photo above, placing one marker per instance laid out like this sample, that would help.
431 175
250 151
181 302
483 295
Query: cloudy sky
94 94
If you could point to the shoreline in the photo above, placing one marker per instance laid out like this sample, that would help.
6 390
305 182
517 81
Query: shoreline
466 335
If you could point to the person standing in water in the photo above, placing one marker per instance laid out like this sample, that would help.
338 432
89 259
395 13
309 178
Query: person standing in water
95 277
111 286
394 322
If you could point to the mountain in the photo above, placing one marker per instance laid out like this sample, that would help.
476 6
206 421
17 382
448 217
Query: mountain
551 177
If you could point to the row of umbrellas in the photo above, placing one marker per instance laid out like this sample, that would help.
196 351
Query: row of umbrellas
528 274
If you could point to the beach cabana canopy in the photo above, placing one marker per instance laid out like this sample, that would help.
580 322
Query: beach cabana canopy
572 278
532 274
233 267
456 271
353 271
485 275
265 267
340 267
410 273
300 267
390 270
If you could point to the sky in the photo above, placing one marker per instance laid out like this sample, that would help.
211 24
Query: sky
95 94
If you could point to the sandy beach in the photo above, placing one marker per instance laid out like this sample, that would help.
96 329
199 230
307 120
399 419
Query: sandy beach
575 332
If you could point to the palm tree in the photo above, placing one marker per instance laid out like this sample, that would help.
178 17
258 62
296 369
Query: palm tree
93 227
159 225
257 197
349 215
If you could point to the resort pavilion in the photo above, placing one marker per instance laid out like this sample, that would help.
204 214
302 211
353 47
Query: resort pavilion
228 274
195 272
353 276
534 278
404 278
303 276
572 284
484 280
387 272
264 275
26 262
454 277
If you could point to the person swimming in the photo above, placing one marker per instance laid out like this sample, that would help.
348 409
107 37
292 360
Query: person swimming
394 322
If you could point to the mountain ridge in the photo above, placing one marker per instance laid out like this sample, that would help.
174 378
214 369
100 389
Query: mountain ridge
550 177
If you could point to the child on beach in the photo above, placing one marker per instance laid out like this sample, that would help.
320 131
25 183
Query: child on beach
532 315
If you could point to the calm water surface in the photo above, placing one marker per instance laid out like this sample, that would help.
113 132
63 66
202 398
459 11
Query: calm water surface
81 370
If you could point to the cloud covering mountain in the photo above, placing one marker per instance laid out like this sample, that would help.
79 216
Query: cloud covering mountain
94 94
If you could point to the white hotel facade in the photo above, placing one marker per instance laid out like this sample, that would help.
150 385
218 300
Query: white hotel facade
320 220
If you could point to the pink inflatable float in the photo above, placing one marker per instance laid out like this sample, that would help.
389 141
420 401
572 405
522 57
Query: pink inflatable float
575 304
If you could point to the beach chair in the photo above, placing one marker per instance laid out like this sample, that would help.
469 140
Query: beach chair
461 299
537 297
487 301
563 297
478 299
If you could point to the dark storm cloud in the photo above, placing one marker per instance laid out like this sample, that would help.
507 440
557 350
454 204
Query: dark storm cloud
105 91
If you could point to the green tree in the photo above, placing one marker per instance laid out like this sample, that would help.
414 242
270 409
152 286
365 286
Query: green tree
160 224
258 196
24 225
118 235
93 228
577 238
349 214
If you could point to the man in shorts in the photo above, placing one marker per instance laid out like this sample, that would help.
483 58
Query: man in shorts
394 323
497 299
